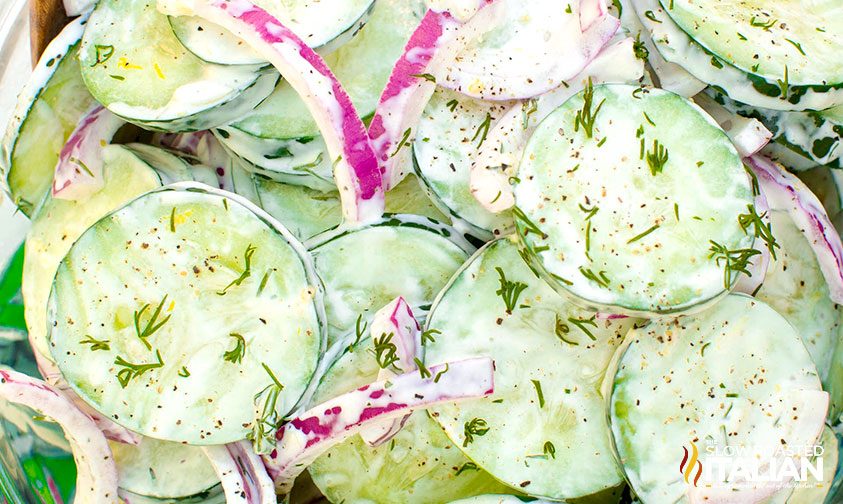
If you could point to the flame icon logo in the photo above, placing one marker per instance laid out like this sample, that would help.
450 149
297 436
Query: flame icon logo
690 462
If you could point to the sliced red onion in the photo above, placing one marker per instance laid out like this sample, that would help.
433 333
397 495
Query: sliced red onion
786 192
204 147
538 46
396 319
79 169
306 437
356 169
242 473
748 135
498 157
590 12
435 43
96 474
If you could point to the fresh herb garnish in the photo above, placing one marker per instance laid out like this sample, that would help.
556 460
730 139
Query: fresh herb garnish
762 24
235 355
468 466
734 260
484 129
643 234
440 373
131 371
528 225
104 53
528 108
763 230
509 291
403 142
586 117
423 371
385 351
152 325
428 336
599 278
651 16
657 158
476 427
640 49
589 213
784 85
561 329
549 450
263 433
95 343
452 105
247 270
183 372
797 45
582 323
538 386
426 76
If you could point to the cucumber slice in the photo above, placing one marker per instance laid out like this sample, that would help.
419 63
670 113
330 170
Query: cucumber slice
280 138
815 490
497 499
449 133
158 468
405 255
203 272
134 65
763 38
795 287
214 497
170 167
304 211
814 136
48 109
301 161
419 465
618 230
827 185
325 24
676 46
547 412
58 223
736 375
409 197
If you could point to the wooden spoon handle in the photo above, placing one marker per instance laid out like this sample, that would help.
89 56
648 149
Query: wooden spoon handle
46 19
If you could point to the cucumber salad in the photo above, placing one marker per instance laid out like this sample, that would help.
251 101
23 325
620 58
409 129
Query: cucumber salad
409 251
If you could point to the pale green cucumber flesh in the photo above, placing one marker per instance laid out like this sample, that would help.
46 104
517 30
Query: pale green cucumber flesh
737 374
48 123
652 226
546 344
184 249
365 269
163 469
446 142
58 223
419 465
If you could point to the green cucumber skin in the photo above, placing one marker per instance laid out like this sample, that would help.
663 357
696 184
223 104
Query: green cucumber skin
558 179
525 345
199 408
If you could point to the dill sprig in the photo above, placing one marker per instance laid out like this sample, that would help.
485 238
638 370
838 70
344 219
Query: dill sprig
263 432
468 466
528 225
385 351
561 329
152 325
582 323
528 108
640 49
509 291
95 343
247 270
428 336
753 179
235 355
763 230
589 213
452 105
359 330
484 129
404 142
644 233
476 427
549 450
761 24
131 371
657 158
599 278
586 116
423 371
735 261
539 394
440 373
784 85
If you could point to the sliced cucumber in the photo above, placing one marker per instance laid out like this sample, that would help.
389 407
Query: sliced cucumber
813 136
304 211
763 39
449 133
58 223
827 185
284 135
216 496
795 287
776 93
160 469
409 197
301 161
48 109
813 490
419 465
497 499
319 23
170 167
401 255
134 65
206 291
736 375
547 413
607 223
